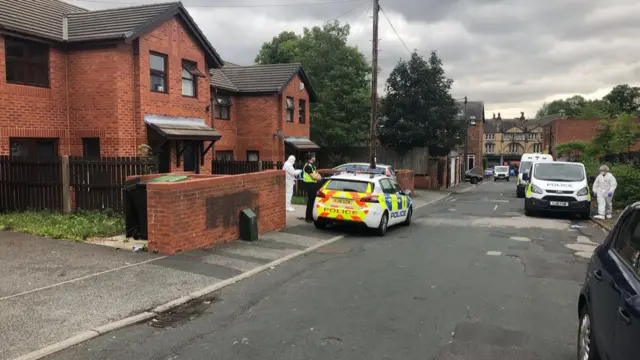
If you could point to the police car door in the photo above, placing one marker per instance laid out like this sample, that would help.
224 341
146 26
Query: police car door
403 201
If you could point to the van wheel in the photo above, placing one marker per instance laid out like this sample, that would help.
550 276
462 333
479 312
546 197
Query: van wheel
527 211
585 215
384 224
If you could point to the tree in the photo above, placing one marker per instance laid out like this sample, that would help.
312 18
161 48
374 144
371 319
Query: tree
573 149
602 143
418 109
626 132
623 99
569 106
339 73
594 109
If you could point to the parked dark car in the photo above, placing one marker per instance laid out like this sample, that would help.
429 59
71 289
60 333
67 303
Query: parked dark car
474 175
609 303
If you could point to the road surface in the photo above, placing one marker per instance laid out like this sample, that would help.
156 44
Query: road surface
471 278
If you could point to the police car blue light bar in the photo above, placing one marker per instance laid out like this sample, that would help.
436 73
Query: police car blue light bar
368 171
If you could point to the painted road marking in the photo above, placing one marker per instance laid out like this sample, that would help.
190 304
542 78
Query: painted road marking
520 238
494 253
495 207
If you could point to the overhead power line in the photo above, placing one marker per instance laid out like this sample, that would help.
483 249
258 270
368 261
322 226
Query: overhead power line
366 4
308 3
395 31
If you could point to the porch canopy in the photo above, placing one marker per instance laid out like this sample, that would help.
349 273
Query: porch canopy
173 128
301 143
189 134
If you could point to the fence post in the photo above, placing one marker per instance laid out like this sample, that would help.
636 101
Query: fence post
66 185
260 165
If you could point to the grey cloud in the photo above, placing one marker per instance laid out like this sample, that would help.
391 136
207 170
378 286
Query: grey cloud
505 52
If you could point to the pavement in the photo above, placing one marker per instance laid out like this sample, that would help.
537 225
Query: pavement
53 290
471 278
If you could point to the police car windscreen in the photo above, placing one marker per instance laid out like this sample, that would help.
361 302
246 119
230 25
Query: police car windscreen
348 185
558 172
501 169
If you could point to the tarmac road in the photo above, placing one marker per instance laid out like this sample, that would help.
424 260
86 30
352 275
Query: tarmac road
471 278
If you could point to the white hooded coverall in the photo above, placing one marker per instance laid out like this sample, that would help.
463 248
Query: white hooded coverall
603 186
291 175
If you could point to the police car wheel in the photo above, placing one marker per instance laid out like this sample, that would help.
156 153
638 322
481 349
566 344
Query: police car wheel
384 223
319 224
407 221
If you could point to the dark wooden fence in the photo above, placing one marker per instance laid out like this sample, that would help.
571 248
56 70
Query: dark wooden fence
30 184
97 183
94 184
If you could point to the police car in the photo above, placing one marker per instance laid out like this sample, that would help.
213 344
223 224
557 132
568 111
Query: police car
368 198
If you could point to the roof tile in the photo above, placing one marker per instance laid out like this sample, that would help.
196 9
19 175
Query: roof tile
42 18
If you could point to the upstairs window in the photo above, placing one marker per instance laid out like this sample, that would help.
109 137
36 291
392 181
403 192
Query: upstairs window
222 107
289 114
302 111
158 68
27 62
190 75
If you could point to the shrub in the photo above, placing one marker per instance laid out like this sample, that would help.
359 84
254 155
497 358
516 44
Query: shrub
628 190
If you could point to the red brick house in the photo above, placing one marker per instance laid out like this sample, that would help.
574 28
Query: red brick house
561 130
102 83
262 111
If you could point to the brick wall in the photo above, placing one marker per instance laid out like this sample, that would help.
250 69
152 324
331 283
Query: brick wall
108 91
228 129
34 112
475 136
405 179
257 120
171 39
565 130
206 210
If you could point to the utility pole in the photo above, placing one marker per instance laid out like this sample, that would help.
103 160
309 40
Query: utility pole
466 139
374 86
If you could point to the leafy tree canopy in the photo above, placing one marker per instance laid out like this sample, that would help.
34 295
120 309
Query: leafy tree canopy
621 99
339 73
418 109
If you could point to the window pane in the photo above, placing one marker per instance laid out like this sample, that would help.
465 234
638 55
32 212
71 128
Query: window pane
218 111
252 156
289 103
19 148
14 48
38 53
157 83
628 242
187 87
186 74
156 62
91 147
15 72
46 148
224 112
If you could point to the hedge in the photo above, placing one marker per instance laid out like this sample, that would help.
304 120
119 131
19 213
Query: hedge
628 178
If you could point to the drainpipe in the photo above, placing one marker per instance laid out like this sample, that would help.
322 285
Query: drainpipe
65 37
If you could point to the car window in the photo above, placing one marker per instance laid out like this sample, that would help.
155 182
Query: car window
387 188
396 186
347 185
627 242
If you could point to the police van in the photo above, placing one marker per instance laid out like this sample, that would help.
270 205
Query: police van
557 187
368 198
525 165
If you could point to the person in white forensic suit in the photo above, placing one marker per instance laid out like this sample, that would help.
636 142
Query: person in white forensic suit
604 186
291 176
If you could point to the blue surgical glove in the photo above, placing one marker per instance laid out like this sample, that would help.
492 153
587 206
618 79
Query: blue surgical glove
610 194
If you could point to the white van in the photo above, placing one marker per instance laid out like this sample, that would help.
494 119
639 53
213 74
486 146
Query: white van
557 187
525 165
500 173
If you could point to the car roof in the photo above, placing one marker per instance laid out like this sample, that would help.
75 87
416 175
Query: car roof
359 177
363 163
559 162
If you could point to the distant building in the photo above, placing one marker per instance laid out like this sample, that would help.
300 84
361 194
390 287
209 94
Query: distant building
505 140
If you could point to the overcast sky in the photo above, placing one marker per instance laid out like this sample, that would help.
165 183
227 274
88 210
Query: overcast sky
511 54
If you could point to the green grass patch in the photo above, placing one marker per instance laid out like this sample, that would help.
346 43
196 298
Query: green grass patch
299 200
72 226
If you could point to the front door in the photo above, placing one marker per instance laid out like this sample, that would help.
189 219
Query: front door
190 156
